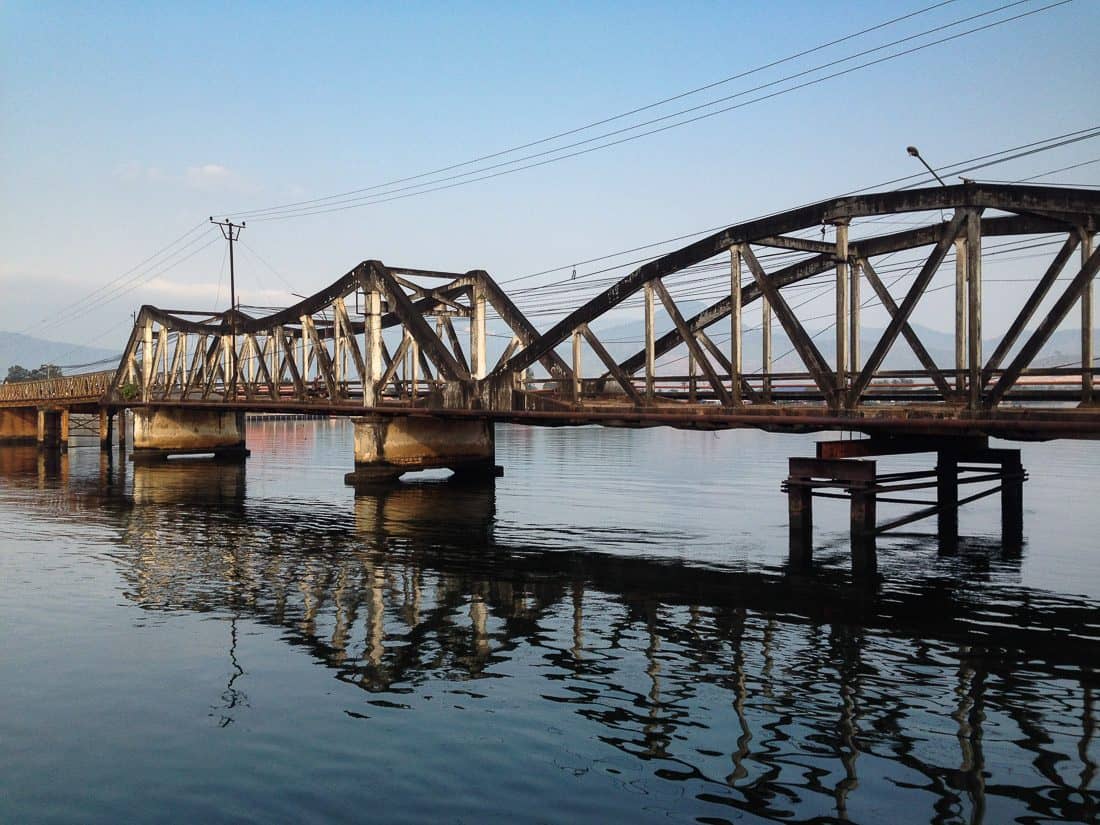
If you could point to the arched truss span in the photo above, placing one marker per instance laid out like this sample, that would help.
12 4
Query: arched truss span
380 338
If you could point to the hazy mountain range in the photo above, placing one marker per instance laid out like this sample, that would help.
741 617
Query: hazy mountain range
30 352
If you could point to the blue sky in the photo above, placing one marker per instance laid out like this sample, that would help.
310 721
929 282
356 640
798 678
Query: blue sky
123 125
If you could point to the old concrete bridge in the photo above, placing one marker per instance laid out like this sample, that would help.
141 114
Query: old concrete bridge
190 377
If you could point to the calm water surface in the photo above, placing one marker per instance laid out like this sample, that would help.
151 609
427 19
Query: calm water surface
606 634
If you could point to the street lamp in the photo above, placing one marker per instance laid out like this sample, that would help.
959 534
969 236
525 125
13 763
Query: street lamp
912 150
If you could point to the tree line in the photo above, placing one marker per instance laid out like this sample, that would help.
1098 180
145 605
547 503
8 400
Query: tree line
17 373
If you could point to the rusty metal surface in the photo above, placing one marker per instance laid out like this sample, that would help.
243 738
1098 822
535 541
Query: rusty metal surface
318 357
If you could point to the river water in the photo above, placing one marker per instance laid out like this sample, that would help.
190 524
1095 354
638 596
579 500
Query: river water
605 634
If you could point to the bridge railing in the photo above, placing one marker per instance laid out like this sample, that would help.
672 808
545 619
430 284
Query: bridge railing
87 386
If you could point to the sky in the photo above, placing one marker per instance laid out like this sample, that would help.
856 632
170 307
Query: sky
123 126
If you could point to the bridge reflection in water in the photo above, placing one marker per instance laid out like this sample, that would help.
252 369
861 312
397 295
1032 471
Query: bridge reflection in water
768 693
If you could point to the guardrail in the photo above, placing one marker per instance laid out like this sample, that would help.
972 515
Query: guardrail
83 387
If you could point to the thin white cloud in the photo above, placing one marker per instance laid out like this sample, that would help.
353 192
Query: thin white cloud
210 291
211 177
204 177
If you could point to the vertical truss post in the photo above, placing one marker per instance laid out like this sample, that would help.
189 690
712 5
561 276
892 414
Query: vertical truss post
735 324
229 361
372 345
247 367
947 500
1087 239
974 303
304 321
148 367
477 333
276 346
650 344
854 354
842 306
766 347
577 365
691 377
162 347
521 378
182 351
960 315
337 351
304 354
414 377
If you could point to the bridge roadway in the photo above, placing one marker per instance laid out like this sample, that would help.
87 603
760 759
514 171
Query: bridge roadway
380 344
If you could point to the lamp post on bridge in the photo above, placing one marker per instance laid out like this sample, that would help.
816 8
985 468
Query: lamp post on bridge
231 232
915 152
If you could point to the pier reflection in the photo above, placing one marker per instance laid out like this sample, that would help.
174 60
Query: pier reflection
761 693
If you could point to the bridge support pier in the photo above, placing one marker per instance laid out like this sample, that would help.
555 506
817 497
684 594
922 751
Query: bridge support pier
106 421
165 431
387 447
836 474
18 425
53 429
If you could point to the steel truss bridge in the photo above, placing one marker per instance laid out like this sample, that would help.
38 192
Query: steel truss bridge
328 354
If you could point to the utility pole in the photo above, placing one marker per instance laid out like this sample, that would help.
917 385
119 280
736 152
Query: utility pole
231 232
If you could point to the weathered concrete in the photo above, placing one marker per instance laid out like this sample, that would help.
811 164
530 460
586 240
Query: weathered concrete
53 429
159 433
385 448
105 429
18 425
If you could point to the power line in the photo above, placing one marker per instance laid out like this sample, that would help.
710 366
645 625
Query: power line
386 197
605 120
81 307
80 302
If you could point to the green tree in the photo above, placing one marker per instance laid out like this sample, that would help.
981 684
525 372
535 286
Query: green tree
17 373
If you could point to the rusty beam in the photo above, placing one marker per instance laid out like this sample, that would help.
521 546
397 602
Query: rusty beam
803 344
692 344
911 337
908 304
1041 335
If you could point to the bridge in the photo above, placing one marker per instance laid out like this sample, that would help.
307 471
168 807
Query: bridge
380 344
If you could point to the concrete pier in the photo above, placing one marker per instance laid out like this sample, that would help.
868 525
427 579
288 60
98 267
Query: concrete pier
161 432
385 448
106 420
53 429
18 425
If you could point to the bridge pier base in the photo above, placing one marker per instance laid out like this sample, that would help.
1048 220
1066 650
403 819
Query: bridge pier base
836 474
18 425
106 421
53 429
387 447
166 431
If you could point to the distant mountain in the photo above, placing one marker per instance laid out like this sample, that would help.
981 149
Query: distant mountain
30 352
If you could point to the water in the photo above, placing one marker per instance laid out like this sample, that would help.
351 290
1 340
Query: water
606 634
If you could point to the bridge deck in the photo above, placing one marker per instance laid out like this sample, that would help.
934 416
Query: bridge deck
1020 423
